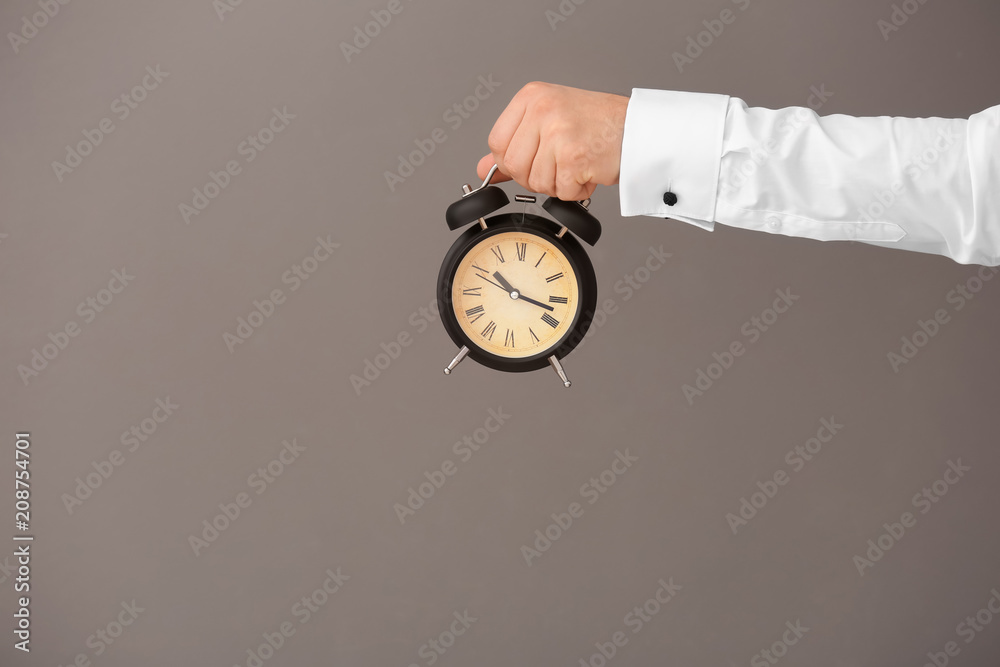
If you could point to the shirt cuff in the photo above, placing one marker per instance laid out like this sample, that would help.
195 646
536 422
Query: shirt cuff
672 143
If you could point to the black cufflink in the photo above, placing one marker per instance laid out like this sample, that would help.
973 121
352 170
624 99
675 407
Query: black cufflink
669 198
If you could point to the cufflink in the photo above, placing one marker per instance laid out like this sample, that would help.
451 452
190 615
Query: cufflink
669 198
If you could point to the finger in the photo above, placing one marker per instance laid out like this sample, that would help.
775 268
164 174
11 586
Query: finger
485 164
569 189
504 130
520 154
572 180
575 192
542 177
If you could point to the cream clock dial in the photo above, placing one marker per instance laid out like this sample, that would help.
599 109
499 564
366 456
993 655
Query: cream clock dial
515 294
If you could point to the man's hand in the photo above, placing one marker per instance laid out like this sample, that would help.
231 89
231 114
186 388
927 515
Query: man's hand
558 141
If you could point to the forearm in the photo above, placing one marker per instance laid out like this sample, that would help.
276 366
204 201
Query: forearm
928 185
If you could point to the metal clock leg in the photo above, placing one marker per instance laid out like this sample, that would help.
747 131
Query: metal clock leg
468 191
458 358
559 370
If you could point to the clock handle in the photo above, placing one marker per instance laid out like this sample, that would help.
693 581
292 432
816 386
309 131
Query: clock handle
489 177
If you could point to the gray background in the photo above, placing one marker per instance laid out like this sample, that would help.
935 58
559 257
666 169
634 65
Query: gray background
333 507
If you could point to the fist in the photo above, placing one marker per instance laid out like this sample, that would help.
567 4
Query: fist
558 141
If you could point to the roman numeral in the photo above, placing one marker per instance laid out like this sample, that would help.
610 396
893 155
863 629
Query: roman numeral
497 253
522 251
540 258
533 334
479 268
551 321
472 291
508 341
555 277
490 328
477 311
558 299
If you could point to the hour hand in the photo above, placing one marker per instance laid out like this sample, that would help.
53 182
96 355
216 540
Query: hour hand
506 285
491 282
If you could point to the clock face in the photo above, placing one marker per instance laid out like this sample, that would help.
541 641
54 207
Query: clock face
515 294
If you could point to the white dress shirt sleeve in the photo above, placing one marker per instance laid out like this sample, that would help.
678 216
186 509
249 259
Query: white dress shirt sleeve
927 185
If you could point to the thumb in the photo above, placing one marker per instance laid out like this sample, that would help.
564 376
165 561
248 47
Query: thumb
485 164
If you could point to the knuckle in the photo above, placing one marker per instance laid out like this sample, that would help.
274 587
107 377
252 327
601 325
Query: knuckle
494 143
544 104
533 88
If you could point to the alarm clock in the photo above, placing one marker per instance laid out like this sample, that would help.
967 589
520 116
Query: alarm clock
517 291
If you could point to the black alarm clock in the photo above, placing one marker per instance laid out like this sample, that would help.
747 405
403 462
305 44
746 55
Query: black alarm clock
517 291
